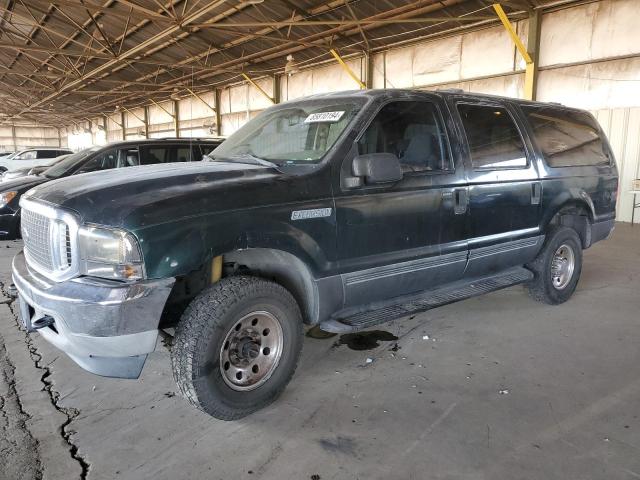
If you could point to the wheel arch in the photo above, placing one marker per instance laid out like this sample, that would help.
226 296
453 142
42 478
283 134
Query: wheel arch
573 209
283 268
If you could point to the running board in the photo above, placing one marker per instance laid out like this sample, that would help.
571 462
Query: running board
355 319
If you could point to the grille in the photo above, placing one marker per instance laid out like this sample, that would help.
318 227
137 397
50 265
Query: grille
36 237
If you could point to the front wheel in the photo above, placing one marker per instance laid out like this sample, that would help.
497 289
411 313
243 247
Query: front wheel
557 267
237 346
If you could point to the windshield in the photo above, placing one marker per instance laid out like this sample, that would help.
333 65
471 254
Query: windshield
60 168
299 134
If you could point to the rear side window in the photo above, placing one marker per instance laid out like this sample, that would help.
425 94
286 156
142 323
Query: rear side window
566 138
154 154
493 137
47 153
183 153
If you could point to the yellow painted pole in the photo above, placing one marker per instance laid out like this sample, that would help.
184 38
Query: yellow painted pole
248 79
530 69
346 68
512 33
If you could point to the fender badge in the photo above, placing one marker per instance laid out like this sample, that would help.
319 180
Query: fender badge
306 214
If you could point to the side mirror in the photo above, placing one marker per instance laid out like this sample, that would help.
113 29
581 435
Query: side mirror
377 168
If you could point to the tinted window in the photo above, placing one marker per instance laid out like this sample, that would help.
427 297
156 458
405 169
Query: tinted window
493 138
566 138
183 153
129 157
47 153
154 154
413 132
103 161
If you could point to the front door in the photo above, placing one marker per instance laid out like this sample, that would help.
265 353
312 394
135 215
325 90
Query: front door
504 189
406 236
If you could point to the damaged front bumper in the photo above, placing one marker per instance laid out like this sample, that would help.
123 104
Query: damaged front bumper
106 327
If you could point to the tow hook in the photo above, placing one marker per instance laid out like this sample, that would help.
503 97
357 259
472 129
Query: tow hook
42 322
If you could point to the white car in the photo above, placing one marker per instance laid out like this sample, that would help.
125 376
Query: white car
31 157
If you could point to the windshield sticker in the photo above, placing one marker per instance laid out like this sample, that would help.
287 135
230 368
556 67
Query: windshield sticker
324 117
306 214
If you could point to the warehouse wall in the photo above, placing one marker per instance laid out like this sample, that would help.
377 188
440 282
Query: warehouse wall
18 137
622 126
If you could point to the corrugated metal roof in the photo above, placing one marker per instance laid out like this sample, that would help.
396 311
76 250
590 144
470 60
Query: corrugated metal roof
72 59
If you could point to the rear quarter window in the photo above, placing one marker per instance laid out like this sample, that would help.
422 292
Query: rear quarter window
566 138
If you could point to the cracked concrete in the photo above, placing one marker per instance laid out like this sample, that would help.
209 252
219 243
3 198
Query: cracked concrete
428 409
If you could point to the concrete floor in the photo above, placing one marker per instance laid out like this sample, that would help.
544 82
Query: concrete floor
502 388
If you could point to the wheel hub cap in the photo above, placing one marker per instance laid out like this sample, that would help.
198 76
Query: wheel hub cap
562 266
251 351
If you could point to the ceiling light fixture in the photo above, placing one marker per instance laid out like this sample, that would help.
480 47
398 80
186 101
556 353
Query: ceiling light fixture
290 67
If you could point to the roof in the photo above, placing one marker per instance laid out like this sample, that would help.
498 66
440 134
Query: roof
143 141
69 60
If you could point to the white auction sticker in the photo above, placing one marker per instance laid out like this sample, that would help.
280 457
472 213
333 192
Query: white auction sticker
324 117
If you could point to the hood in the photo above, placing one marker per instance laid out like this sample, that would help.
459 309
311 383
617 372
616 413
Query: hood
136 197
22 184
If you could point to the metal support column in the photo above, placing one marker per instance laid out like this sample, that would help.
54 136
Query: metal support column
146 121
13 135
276 89
368 79
533 47
218 112
176 119
123 124
531 67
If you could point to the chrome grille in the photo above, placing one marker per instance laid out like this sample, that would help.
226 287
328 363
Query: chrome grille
35 234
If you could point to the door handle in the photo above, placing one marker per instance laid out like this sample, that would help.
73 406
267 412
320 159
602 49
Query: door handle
460 200
536 193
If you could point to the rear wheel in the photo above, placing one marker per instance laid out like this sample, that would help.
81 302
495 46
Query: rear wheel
237 346
557 267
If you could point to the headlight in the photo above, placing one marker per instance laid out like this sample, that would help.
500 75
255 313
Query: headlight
110 254
6 197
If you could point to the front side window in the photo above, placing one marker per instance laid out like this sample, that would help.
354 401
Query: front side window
566 138
129 157
297 134
28 155
413 132
493 137
103 161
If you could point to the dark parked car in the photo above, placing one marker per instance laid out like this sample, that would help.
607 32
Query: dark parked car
114 155
343 210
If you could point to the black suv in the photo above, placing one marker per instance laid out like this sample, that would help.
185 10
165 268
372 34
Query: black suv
113 155
343 210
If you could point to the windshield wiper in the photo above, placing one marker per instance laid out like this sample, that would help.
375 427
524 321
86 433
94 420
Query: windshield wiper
249 159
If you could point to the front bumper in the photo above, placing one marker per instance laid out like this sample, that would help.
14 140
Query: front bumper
106 327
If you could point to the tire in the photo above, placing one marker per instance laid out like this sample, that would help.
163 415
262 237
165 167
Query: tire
555 279
240 325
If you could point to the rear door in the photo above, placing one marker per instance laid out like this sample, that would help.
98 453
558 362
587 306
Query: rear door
504 188
407 236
